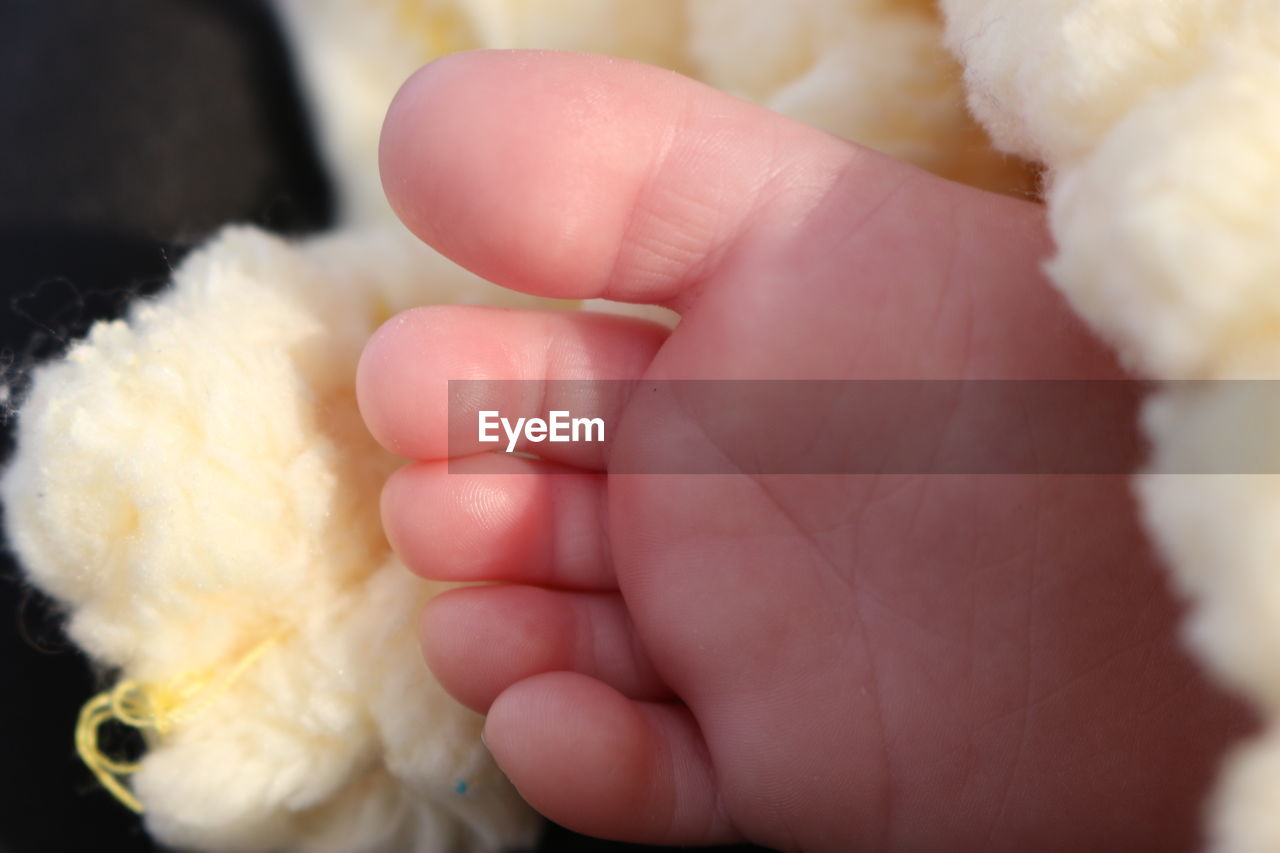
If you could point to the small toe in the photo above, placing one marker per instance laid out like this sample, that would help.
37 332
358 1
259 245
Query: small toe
480 640
601 763
496 517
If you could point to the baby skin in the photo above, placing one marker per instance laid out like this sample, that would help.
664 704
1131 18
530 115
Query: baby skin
823 663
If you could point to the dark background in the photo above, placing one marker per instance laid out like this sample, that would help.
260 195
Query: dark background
130 130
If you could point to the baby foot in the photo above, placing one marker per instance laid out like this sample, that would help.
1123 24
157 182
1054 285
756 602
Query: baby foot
883 663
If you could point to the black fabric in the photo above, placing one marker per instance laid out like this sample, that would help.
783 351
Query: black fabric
162 119
129 131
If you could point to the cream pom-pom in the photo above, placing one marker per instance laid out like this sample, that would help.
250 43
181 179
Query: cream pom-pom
1049 78
1181 273
194 483
1212 498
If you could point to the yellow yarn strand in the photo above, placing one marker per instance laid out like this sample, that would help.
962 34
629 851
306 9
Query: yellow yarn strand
150 708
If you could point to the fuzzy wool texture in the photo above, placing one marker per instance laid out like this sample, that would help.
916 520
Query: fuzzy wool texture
1159 124
194 479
